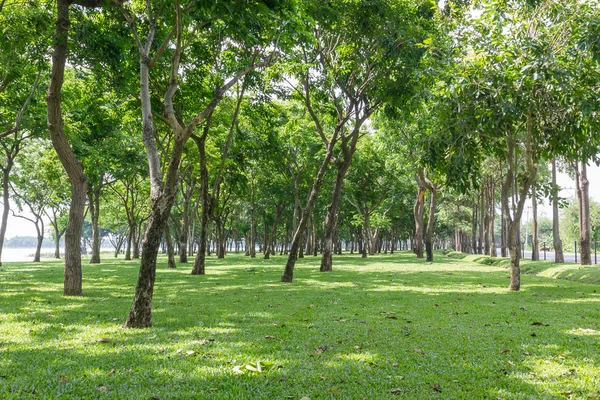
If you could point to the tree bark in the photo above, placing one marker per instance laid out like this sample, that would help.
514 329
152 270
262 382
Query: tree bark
170 250
333 208
419 209
430 225
94 207
474 226
535 246
252 243
288 272
491 203
557 242
5 203
72 281
40 238
200 260
584 212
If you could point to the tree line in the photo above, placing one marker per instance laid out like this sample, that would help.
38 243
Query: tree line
295 127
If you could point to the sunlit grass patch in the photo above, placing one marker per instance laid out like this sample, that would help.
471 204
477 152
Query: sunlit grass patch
388 326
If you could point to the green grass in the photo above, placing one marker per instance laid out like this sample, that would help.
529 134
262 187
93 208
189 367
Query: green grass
385 327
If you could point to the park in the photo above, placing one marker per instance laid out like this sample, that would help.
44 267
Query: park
303 199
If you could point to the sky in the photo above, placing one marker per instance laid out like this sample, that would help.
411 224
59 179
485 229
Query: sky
21 227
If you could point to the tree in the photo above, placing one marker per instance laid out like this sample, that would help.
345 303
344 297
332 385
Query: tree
23 30
507 96
233 28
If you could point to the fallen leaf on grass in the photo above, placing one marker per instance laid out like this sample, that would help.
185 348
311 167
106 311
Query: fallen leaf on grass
334 390
270 337
504 351
417 350
259 367
103 388
103 340
396 391
394 364
190 352
323 377
537 323
357 347
391 317
112 372
62 379
320 350
436 387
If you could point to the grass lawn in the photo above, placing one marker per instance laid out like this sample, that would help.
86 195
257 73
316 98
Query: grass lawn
385 327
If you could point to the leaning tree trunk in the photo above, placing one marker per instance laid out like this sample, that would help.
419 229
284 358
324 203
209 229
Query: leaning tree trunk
557 242
332 215
288 272
584 212
72 281
162 197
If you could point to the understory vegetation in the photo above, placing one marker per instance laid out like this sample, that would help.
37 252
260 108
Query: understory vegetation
384 327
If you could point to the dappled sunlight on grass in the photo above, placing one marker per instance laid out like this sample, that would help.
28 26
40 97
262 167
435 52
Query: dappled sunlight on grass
367 328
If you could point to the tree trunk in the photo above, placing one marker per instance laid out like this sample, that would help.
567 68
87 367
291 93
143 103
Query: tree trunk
5 203
162 197
137 240
200 260
514 249
40 237
170 250
485 203
474 226
430 226
491 204
185 225
94 207
288 272
130 238
535 246
584 212
557 242
252 220
332 214
57 236
72 282
480 247
419 209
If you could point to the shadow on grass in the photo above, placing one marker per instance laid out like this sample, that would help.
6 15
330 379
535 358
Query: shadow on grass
365 329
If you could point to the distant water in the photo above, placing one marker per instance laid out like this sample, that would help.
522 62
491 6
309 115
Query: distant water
22 254
26 253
